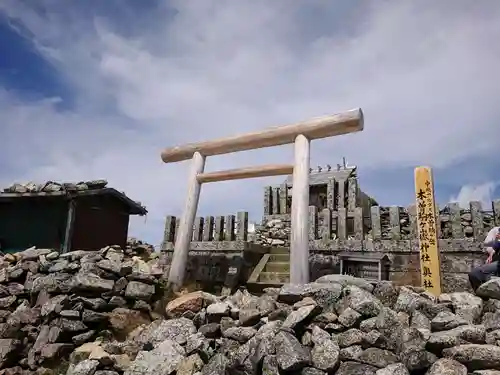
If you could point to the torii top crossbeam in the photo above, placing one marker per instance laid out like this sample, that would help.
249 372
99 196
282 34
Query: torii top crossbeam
316 128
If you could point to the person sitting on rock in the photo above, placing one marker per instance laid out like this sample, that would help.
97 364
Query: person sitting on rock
481 274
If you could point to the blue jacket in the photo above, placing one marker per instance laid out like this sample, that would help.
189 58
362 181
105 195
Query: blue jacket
493 244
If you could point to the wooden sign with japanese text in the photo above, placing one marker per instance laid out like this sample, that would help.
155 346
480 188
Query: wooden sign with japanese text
430 267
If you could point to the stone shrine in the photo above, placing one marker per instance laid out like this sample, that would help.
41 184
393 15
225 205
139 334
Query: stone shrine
348 232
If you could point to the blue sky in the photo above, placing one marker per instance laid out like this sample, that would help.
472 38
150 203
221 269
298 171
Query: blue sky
95 89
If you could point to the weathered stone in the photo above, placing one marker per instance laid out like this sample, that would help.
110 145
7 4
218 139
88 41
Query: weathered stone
377 357
467 306
299 315
475 357
8 351
393 369
136 289
85 367
92 283
490 289
123 321
290 354
446 366
346 280
355 368
460 335
446 320
177 330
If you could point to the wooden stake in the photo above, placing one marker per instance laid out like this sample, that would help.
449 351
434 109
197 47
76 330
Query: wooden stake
299 246
430 267
185 232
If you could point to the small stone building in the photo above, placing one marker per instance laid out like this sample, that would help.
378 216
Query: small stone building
83 216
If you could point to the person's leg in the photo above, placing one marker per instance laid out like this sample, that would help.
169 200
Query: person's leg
481 274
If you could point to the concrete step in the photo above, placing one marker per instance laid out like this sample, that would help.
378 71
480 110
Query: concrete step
279 258
275 277
277 267
279 250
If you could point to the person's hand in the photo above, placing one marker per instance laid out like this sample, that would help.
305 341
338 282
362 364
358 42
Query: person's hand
490 259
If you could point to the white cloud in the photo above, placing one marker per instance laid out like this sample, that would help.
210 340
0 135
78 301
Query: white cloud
425 74
482 193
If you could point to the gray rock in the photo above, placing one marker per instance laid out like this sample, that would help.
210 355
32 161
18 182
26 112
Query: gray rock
491 321
355 368
419 360
177 330
467 306
240 334
136 289
85 367
299 315
393 369
350 337
216 366
59 266
419 320
218 310
361 301
110 266
350 353
349 317
309 371
290 354
446 320
326 292
376 357
8 351
190 365
162 360
346 280
32 253
446 366
270 365
490 289
91 283
325 355
70 314
386 292
408 301
460 335
475 356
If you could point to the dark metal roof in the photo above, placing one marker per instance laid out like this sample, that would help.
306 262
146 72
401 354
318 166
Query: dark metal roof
135 208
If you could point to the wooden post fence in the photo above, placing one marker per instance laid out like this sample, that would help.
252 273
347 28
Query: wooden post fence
301 134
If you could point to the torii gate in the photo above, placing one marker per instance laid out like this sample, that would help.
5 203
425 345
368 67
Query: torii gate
301 134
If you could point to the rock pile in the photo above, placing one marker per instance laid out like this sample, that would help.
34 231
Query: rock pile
51 303
275 232
337 325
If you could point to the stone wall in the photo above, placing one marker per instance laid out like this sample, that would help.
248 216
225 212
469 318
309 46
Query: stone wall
393 231
220 254
381 230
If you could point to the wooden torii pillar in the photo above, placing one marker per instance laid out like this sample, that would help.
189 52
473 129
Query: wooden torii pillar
301 134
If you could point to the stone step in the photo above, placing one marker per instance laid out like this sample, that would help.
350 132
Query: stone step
275 277
277 267
279 250
279 258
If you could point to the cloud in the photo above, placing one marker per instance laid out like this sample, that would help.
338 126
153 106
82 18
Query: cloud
141 79
482 193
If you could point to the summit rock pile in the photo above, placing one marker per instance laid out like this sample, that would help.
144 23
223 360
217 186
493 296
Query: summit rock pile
337 325
51 303
105 313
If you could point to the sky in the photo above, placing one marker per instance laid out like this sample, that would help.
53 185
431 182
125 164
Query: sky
94 89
